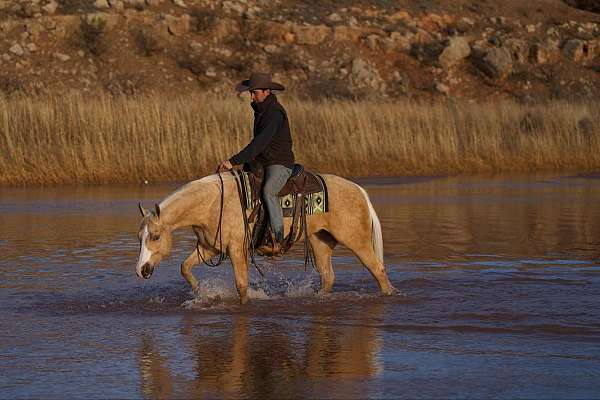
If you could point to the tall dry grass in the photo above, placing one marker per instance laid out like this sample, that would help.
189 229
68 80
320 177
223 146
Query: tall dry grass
74 139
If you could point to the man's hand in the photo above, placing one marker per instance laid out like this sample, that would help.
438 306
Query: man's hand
225 166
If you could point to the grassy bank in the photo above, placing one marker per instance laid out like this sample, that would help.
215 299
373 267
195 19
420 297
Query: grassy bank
74 139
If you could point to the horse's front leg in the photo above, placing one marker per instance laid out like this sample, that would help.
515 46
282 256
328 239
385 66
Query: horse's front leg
239 260
194 258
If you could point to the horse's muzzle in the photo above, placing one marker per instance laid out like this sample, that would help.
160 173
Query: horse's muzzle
147 270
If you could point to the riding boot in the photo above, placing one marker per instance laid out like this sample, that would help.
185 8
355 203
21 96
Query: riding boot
273 250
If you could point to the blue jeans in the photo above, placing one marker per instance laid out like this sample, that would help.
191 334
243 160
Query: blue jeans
275 178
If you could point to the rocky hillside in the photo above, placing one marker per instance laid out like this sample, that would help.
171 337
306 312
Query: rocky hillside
477 49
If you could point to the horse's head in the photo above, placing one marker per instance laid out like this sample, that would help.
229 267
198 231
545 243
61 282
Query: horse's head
155 242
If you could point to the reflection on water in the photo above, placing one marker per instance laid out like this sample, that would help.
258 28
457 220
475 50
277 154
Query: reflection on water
500 276
244 358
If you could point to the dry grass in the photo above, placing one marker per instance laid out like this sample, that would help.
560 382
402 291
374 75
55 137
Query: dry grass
74 139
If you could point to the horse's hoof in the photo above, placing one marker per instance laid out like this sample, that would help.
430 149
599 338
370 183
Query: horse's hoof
243 300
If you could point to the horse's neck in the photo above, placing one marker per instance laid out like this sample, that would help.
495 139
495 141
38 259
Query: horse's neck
193 203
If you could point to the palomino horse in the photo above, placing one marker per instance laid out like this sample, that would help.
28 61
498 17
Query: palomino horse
351 221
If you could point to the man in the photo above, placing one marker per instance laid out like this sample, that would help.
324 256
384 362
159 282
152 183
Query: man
271 146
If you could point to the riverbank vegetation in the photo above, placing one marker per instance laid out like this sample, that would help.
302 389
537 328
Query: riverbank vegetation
74 139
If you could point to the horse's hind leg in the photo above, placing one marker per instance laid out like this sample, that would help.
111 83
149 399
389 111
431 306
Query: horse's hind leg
363 249
322 244
367 256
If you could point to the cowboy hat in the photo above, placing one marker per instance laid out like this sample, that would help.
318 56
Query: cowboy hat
258 80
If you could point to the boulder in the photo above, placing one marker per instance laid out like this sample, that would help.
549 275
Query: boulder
62 57
35 28
101 4
496 64
17 50
344 33
578 50
519 49
223 28
50 8
178 26
311 34
544 53
117 5
366 75
400 41
457 50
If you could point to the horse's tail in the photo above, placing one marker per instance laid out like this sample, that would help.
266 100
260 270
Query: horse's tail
376 235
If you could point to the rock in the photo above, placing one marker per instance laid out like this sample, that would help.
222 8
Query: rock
432 23
311 34
180 3
17 50
575 50
457 50
35 28
530 28
400 16
197 46
365 74
519 49
271 48
101 4
442 88
6 57
544 53
234 7
62 57
334 17
50 8
31 47
223 28
372 41
496 64
400 41
344 33
48 23
117 5
178 26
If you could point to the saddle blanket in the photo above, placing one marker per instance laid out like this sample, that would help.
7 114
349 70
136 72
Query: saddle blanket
316 203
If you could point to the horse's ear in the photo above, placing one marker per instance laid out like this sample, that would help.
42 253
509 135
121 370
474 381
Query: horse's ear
157 210
142 210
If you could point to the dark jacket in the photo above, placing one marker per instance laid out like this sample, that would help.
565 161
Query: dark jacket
272 142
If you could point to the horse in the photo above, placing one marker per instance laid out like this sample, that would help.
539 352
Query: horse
211 206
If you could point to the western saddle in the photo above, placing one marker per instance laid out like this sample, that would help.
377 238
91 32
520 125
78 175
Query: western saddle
300 186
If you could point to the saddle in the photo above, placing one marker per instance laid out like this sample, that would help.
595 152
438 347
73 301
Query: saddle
304 193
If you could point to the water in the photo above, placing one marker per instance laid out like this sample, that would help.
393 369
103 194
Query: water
501 299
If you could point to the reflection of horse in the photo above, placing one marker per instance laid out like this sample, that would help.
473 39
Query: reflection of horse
351 221
255 357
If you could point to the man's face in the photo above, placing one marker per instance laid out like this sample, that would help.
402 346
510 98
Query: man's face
259 95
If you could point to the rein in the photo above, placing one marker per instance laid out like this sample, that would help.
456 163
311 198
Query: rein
222 256
247 231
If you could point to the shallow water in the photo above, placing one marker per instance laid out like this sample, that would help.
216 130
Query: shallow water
501 299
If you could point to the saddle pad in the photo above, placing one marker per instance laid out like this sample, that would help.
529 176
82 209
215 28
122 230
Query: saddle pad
316 203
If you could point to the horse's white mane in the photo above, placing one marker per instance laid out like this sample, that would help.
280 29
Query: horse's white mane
193 186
